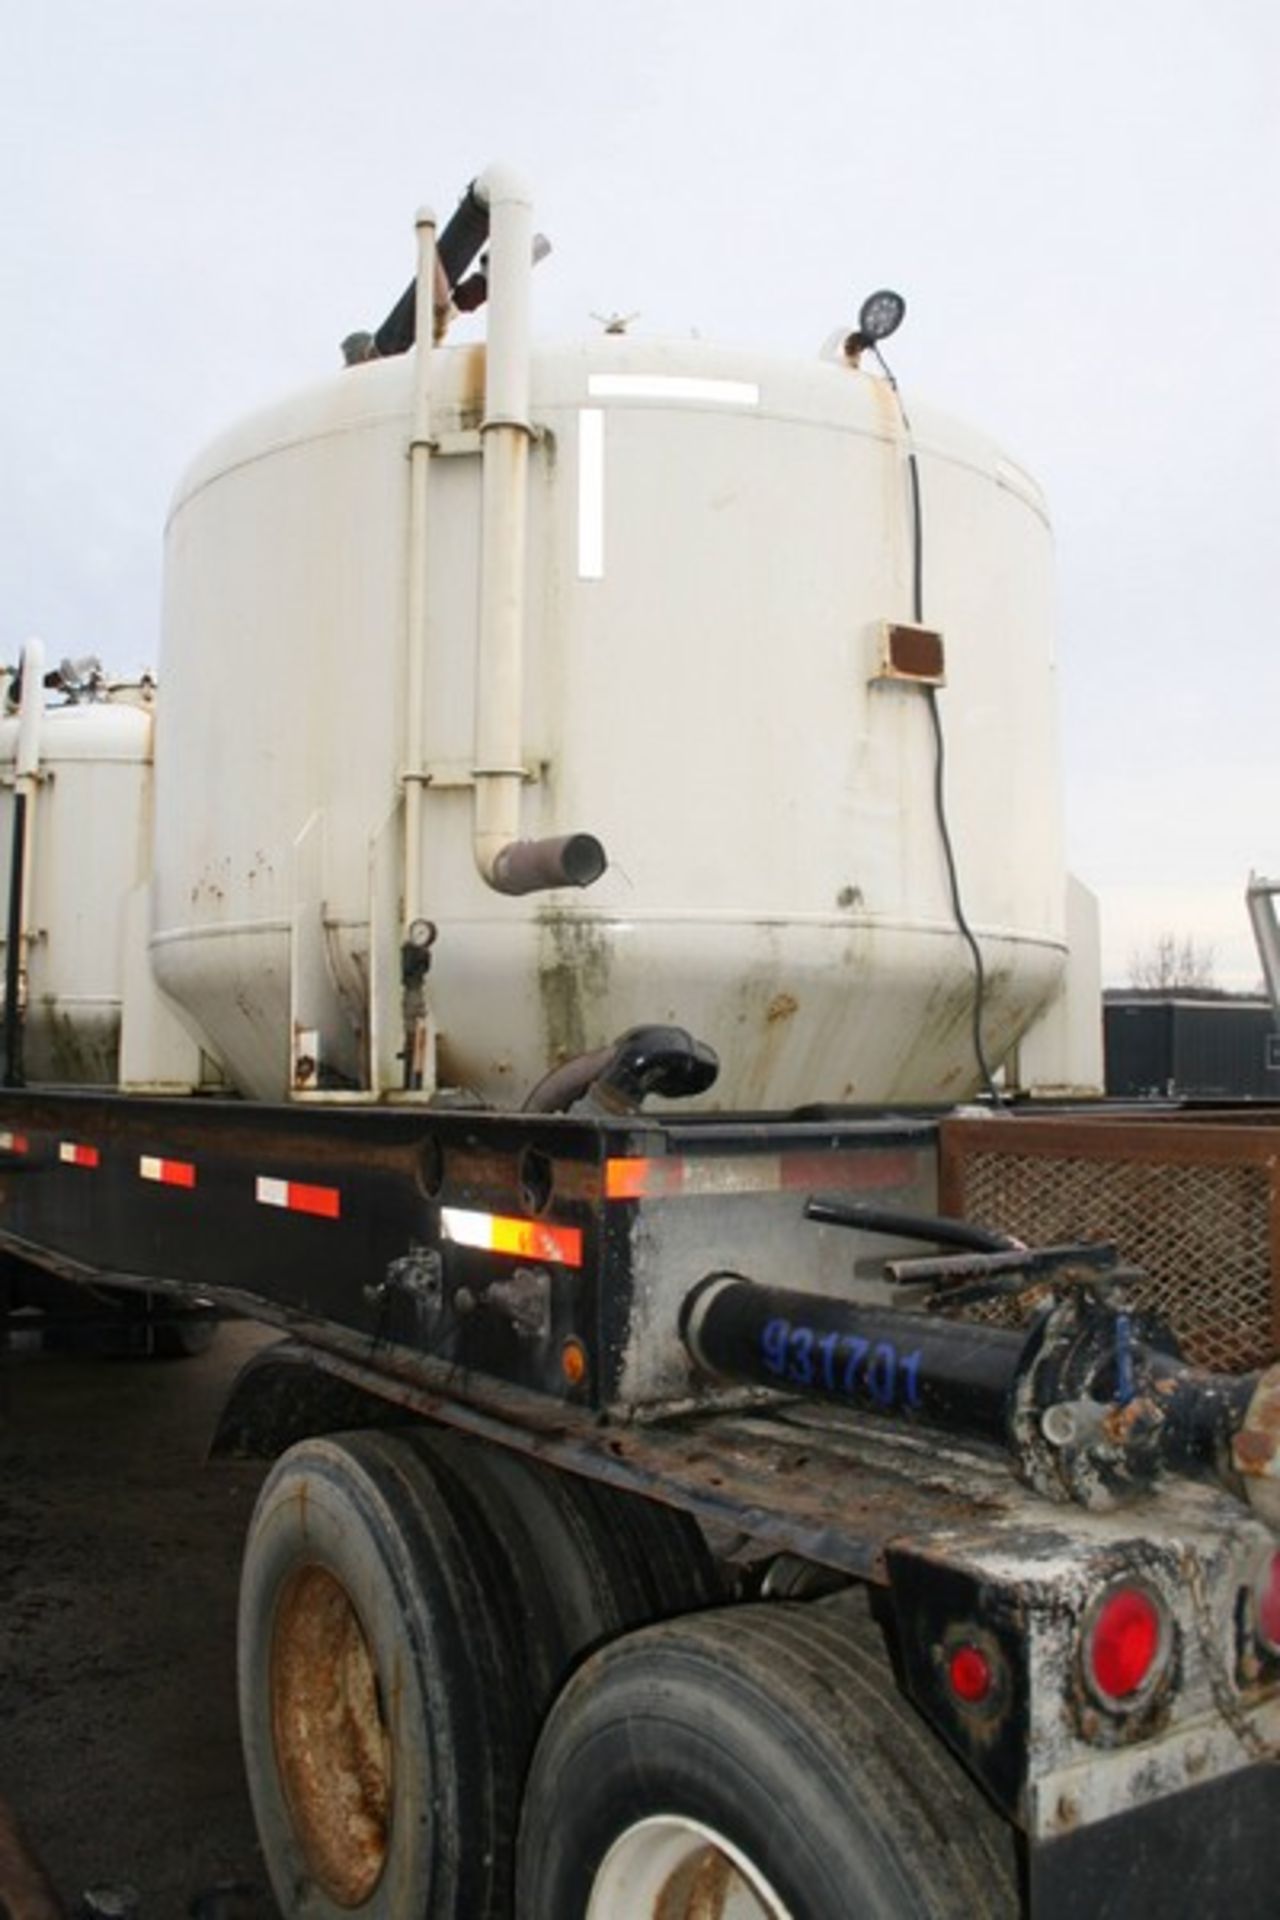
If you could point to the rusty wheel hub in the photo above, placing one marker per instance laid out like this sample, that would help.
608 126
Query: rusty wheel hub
331 1741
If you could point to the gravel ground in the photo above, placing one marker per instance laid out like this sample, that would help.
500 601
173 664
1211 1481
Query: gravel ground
119 1553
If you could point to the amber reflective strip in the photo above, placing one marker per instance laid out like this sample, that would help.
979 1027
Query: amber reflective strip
523 1239
838 1172
631 1179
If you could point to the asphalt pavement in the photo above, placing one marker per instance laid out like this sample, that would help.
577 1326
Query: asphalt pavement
119 1557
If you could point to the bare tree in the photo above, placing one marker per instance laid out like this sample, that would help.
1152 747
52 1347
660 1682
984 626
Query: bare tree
1173 963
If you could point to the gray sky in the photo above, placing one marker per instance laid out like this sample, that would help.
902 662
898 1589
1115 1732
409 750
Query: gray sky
1078 200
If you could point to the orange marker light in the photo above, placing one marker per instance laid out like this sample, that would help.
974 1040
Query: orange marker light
573 1362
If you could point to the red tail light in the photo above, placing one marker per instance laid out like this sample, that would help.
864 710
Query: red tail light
1266 1604
1126 1645
970 1675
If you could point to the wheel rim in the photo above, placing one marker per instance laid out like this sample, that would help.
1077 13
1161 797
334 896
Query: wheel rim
332 1747
670 1868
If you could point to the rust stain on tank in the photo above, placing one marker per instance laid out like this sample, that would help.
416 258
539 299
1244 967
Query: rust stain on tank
471 387
781 1007
573 984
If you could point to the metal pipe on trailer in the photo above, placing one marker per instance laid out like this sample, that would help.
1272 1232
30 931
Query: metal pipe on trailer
1087 1410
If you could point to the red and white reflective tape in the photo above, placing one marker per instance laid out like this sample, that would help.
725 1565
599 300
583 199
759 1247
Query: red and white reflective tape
860 1170
522 1239
73 1153
295 1196
167 1173
14 1143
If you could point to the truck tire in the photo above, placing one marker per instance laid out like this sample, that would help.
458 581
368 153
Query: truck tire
384 1716
184 1336
755 1760
590 1562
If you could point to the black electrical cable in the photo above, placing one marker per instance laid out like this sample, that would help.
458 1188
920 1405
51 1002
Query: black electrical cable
939 749
953 877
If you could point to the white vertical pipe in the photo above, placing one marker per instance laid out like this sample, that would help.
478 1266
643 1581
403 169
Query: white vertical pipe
417 614
499 754
26 780
30 710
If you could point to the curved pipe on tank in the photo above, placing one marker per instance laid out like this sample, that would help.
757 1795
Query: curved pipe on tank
506 862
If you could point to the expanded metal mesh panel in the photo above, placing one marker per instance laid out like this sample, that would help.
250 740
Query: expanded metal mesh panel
1200 1235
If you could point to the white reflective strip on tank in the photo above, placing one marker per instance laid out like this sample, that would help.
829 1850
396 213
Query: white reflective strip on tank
273 1193
14 1143
590 493
673 386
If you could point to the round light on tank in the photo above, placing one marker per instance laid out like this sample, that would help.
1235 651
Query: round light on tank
881 314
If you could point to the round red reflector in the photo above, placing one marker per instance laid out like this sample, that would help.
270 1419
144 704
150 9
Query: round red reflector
1124 1642
969 1674
1268 1599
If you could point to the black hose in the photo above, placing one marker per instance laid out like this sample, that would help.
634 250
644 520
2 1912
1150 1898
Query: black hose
457 247
941 1230
957 904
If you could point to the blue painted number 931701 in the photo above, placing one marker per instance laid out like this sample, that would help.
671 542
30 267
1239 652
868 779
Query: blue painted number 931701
841 1363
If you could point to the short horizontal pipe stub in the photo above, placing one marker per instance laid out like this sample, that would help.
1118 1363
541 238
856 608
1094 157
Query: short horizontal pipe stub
532 866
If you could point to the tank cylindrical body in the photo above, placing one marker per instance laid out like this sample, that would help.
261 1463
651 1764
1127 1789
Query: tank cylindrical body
714 541
88 851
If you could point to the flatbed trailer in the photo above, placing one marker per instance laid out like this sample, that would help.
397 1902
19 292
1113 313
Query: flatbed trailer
732 1515
633 1501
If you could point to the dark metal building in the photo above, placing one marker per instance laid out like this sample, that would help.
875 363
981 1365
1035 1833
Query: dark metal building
1207 1047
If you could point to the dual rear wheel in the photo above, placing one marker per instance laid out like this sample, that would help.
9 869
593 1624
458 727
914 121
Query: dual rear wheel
436 1635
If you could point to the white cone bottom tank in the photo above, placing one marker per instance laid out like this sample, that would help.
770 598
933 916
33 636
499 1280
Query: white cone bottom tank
714 541
88 852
